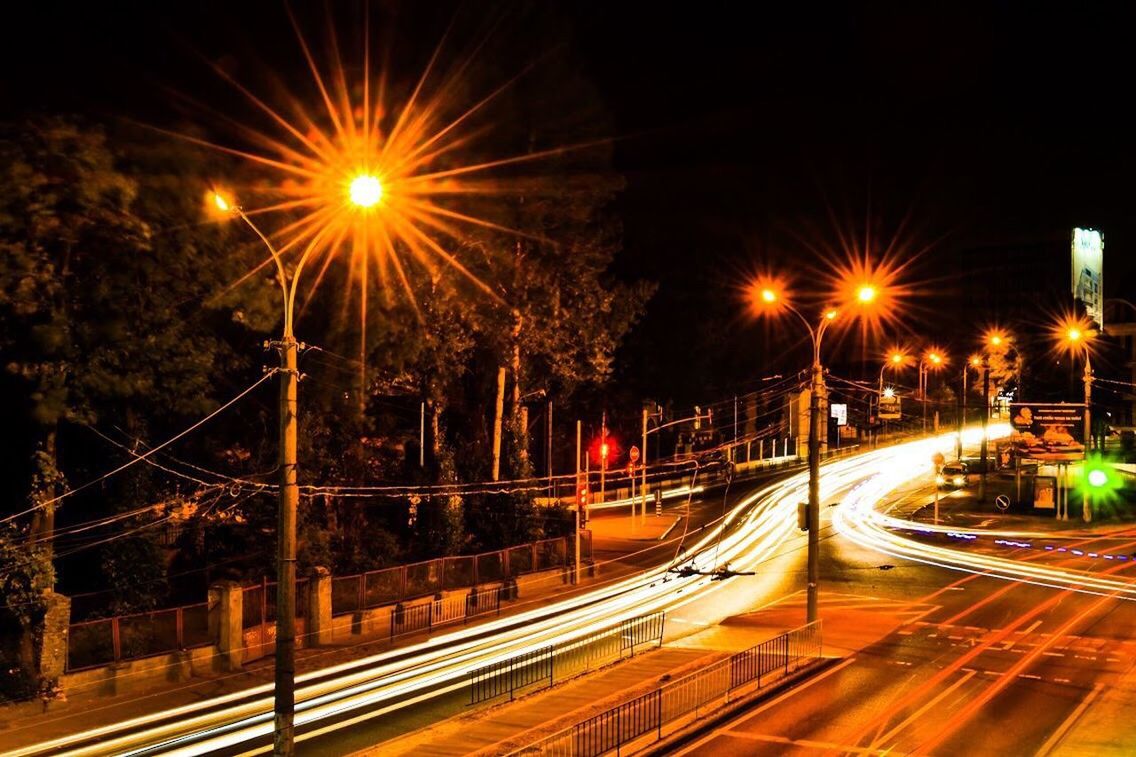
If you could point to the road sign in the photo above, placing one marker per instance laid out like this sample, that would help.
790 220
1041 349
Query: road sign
633 453
889 408
1002 502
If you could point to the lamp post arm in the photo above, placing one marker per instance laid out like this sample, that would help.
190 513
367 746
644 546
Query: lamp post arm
281 275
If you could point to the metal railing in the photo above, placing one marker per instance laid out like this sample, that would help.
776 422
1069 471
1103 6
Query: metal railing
127 637
663 711
565 659
507 676
427 615
375 588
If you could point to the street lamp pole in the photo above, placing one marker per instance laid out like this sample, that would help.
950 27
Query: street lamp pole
1086 506
284 689
985 425
816 394
865 295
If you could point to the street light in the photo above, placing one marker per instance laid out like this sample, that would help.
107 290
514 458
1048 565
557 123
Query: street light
896 360
973 362
933 359
771 298
363 192
1075 336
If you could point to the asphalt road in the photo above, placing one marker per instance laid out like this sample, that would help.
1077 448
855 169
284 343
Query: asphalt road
967 663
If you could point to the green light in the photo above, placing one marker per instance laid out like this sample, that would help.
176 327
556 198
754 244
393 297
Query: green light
1101 481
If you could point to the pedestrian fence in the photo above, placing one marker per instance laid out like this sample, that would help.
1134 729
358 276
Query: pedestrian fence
124 637
659 713
390 585
427 615
564 659
94 643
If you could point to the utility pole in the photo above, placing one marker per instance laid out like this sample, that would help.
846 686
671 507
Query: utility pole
284 704
985 423
549 449
422 437
603 453
962 416
579 503
1086 505
814 489
643 472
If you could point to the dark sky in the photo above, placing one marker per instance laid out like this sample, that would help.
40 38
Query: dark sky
748 133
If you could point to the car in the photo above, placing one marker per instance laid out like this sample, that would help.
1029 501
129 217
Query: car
952 476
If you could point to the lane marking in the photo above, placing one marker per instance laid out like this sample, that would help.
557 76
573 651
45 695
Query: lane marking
776 700
1064 728
919 713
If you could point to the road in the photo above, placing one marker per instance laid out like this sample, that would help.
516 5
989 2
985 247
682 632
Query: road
915 687
991 642
347 698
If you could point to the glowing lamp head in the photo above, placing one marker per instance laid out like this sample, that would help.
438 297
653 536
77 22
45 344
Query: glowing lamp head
889 392
830 315
896 358
935 358
866 294
1097 478
768 295
221 203
365 191
603 450
975 360
1074 334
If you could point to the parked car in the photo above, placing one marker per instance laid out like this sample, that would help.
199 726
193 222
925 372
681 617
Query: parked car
953 476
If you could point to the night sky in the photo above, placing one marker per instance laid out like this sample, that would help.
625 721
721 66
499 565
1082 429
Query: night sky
747 135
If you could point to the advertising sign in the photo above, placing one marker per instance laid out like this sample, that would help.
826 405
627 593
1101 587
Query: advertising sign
889 408
1048 431
839 412
1088 272
1044 489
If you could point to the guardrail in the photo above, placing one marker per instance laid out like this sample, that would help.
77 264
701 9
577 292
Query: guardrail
564 660
653 716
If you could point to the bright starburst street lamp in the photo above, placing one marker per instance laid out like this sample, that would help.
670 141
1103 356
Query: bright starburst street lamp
933 359
896 359
385 189
365 191
769 297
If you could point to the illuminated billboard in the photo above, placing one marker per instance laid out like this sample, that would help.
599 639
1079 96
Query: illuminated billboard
1088 272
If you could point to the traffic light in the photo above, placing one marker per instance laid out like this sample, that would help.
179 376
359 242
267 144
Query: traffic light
1100 479
582 496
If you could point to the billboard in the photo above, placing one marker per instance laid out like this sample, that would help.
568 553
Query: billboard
889 407
839 412
1048 431
1088 273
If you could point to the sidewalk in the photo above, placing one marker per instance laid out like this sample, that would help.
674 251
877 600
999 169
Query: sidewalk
962 509
512 725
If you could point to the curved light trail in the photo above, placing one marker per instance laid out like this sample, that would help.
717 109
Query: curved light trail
342 695
859 520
